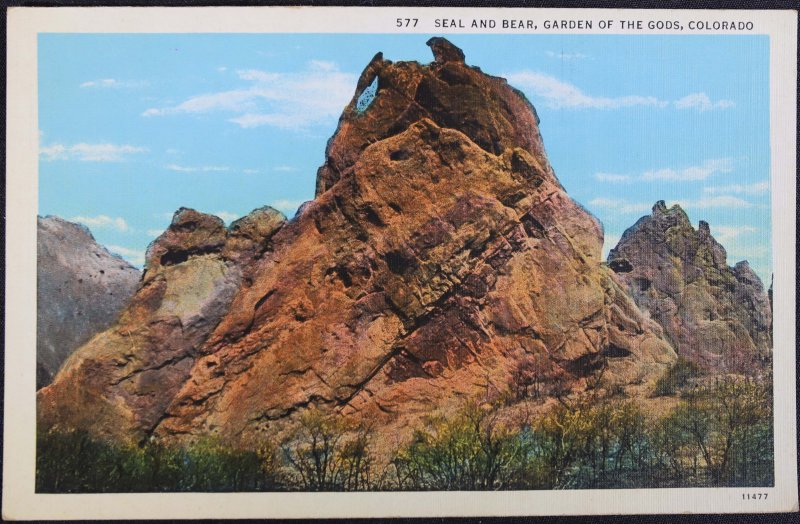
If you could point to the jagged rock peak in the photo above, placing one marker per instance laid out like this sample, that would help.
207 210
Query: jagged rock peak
258 221
390 97
193 233
190 233
675 213
713 314
745 274
444 51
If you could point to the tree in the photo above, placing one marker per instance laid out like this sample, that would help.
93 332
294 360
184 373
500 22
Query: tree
473 450
324 453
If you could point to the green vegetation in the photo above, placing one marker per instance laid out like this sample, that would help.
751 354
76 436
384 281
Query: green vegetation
324 454
471 451
73 462
677 377
719 434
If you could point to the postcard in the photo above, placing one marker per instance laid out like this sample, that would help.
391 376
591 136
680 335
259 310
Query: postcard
397 262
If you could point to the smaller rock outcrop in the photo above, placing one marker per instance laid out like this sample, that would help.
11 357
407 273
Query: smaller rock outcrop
715 315
81 288
135 368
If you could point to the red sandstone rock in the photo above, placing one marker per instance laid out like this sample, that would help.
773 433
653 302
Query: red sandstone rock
440 255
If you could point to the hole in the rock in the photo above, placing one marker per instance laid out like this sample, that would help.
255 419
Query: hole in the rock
620 265
171 258
373 217
397 263
400 154
614 351
367 96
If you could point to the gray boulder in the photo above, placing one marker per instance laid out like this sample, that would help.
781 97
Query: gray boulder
81 288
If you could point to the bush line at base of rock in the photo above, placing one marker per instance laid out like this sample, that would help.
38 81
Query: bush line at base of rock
717 435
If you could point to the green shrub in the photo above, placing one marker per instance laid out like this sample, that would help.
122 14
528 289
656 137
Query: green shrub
720 434
676 377
470 451
326 454
74 462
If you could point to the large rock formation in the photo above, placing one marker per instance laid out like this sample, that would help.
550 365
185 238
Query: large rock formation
715 315
439 255
81 288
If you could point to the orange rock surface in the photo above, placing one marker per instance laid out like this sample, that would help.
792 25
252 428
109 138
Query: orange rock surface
439 256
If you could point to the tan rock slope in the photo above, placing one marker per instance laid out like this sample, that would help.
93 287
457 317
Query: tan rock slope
440 255
714 315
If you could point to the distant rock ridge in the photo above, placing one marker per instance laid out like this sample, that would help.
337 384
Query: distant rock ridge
439 258
715 315
81 288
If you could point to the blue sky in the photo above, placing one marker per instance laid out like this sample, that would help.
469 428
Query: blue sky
134 126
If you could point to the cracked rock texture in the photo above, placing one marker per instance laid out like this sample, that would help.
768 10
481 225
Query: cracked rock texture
81 288
121 382
715 315
439 254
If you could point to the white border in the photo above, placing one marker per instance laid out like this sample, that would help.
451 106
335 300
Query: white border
19 499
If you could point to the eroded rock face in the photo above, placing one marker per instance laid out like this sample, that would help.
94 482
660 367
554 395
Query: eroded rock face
715 315
81 288
120 383
439 255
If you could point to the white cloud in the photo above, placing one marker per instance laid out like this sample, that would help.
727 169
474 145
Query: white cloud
323 65
284 169
222 69
285 100
725 234
287 207
197 169
701 172
701 102
740 189
611 177
89 152
235 100
226 216
566 56
103 222
725 201
558 94
739 249
749 251
154 232
250 171
276 120
112 83
620 205
134 256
